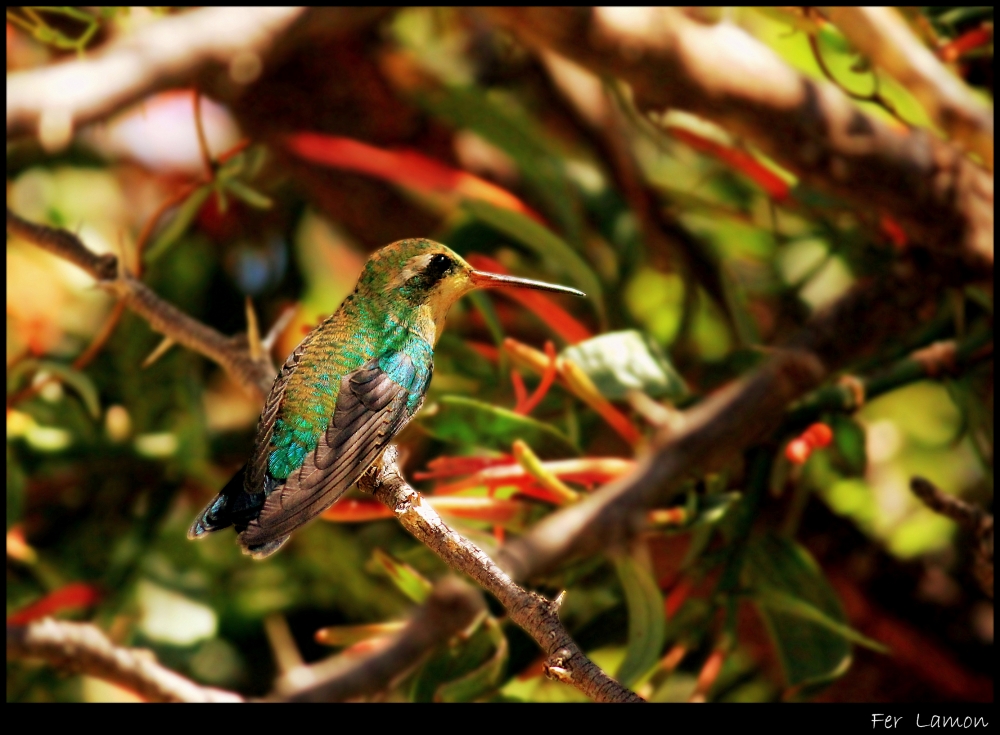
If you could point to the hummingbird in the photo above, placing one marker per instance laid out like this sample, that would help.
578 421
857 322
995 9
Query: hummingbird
349 387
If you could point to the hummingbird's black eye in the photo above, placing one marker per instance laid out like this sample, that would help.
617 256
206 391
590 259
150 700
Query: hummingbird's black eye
437 266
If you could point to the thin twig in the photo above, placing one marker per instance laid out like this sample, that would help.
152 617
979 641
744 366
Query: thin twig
875 95
538 616
881 34
969 516
82 648
254 376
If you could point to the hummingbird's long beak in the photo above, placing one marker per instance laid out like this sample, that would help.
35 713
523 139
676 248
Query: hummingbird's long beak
482 279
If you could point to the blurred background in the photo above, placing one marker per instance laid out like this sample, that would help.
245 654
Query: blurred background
698 254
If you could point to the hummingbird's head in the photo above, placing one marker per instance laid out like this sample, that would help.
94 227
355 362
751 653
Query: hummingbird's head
426 273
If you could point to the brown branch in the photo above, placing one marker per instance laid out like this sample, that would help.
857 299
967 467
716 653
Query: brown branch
451 608
942 199
881 34
538 616
717 430
255 377
164 54
969 516
81 648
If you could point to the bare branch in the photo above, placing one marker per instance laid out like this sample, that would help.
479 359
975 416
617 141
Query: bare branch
81 648
451 608
538 616
254 376
975 519
942 199
54 100
881 34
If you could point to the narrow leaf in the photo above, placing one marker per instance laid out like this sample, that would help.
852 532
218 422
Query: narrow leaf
474 423
646 620
407 579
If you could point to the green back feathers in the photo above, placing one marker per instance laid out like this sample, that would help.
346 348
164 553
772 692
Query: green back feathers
373 322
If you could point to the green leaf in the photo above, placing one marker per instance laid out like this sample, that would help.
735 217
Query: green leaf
66 374
783 602
555 252
786 582
407 579
469 668
474 423
619 362
186 213
646 620
542 170
484 678
248 194
849 444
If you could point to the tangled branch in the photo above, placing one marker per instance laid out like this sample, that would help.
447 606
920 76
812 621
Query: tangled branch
939 196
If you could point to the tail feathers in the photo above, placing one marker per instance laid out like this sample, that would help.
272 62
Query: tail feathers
213 518
262 551
229 507
234 506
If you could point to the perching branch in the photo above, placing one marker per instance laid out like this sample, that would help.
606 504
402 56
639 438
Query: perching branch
83 649
255 376
538 616
943 200
451 608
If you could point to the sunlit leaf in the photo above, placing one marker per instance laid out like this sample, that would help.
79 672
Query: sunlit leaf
407 579
619 362
350 635
810 652
646 620
474 423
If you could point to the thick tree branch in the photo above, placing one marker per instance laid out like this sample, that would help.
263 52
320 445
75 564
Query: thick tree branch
54 100
451 608
81 648
538 616
721 427
255 376
942 199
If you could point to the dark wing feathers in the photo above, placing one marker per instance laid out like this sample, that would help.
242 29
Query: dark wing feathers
371 409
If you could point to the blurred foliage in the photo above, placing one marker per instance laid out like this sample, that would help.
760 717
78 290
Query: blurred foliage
108 462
